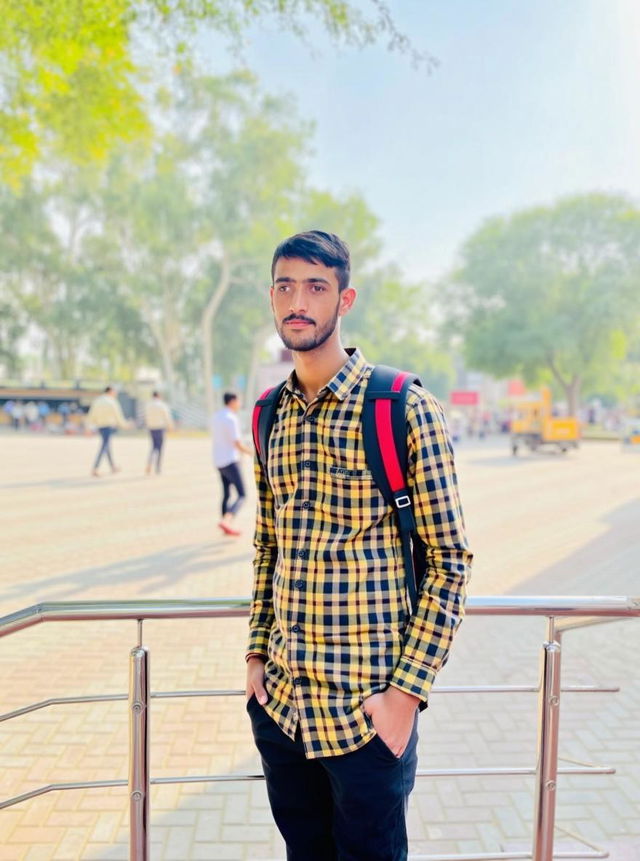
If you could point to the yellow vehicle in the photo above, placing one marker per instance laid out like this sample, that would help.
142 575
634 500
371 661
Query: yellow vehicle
631 432
535 425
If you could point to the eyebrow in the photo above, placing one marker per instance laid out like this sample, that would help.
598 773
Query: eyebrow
284 280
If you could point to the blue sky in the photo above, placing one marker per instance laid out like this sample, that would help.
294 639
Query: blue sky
532 99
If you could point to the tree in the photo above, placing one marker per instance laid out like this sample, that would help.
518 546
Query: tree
391 323
151 249
550 293
73 77
51 284
12 328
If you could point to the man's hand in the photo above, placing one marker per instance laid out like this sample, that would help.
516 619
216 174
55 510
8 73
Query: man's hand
255 680
392 712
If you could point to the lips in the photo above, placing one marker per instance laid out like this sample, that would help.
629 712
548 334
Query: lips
298 324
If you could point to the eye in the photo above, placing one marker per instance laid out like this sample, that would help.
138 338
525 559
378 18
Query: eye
318 288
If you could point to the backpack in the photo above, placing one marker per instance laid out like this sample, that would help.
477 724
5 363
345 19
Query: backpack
384 436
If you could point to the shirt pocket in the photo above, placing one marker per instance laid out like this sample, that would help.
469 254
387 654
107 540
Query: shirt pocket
350 497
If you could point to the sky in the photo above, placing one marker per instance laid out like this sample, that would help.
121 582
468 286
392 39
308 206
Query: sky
531 100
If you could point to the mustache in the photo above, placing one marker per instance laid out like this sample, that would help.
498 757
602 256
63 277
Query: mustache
298 318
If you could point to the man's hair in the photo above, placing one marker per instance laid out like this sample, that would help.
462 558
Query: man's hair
155 394
228 397
108 389
316 246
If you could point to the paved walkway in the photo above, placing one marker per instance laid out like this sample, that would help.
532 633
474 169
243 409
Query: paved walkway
542 524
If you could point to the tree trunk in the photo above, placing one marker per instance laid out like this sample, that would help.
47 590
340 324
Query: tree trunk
571 387
208 319
572 394
168 370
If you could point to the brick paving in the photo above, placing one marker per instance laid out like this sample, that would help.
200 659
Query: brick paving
539 525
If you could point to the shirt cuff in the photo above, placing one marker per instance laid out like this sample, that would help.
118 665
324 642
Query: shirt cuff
413 678
258 642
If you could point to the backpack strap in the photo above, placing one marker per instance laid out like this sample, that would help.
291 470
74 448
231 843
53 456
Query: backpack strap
384 435
264 414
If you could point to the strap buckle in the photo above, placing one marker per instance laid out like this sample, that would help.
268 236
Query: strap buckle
403 501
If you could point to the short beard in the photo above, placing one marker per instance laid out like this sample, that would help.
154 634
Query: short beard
313 341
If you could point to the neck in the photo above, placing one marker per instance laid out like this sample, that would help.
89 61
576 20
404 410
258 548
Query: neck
315 368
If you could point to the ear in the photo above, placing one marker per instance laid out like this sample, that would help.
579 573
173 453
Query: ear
347 301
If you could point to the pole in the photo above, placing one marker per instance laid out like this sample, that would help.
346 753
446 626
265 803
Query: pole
547 760
139 843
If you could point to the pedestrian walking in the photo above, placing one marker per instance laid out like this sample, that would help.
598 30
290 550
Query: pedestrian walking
339 659
158 420
31 415
7 409
17 415
105 413
227 448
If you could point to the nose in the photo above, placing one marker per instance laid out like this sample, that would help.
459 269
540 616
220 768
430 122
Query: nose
297 301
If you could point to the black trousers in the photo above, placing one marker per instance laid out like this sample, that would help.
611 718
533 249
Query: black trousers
157 441
336 808
105 446
231 477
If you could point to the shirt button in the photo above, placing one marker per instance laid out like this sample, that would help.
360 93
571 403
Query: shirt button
303 554
311 419
299 584
297 681
306 505
295 629
306 464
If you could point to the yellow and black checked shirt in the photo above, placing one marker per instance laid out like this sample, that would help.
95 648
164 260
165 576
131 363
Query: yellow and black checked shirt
330 611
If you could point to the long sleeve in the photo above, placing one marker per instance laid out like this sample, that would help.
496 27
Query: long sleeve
119 416
261 614
440 525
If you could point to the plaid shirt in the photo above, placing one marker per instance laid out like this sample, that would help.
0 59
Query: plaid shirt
330 610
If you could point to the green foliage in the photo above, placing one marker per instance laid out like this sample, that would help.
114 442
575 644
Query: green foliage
68 85
50 281
550 292
72 74
391 323
163 258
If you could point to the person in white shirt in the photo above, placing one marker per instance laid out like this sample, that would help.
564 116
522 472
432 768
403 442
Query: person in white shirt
227 447
105 413
158 420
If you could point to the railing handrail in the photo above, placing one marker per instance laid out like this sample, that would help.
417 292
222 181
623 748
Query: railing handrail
601 606
562 612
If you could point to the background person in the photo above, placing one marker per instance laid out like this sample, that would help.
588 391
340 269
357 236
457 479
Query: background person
106 414
227 448
17 415
158 420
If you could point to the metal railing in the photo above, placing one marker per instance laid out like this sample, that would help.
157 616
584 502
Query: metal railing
562 613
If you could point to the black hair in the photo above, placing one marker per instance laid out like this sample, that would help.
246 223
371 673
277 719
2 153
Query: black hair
108 389
316 246
155 394
228 397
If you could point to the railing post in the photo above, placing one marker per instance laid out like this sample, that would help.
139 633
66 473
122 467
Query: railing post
139 755
547 762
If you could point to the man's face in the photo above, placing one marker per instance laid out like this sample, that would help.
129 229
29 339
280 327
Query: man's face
307 303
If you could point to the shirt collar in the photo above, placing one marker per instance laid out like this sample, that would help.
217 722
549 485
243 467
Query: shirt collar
343 382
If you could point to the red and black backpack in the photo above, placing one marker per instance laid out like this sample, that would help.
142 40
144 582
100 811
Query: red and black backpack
384 436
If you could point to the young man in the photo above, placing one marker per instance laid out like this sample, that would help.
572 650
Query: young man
105 413
158 420
227 448
337 664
